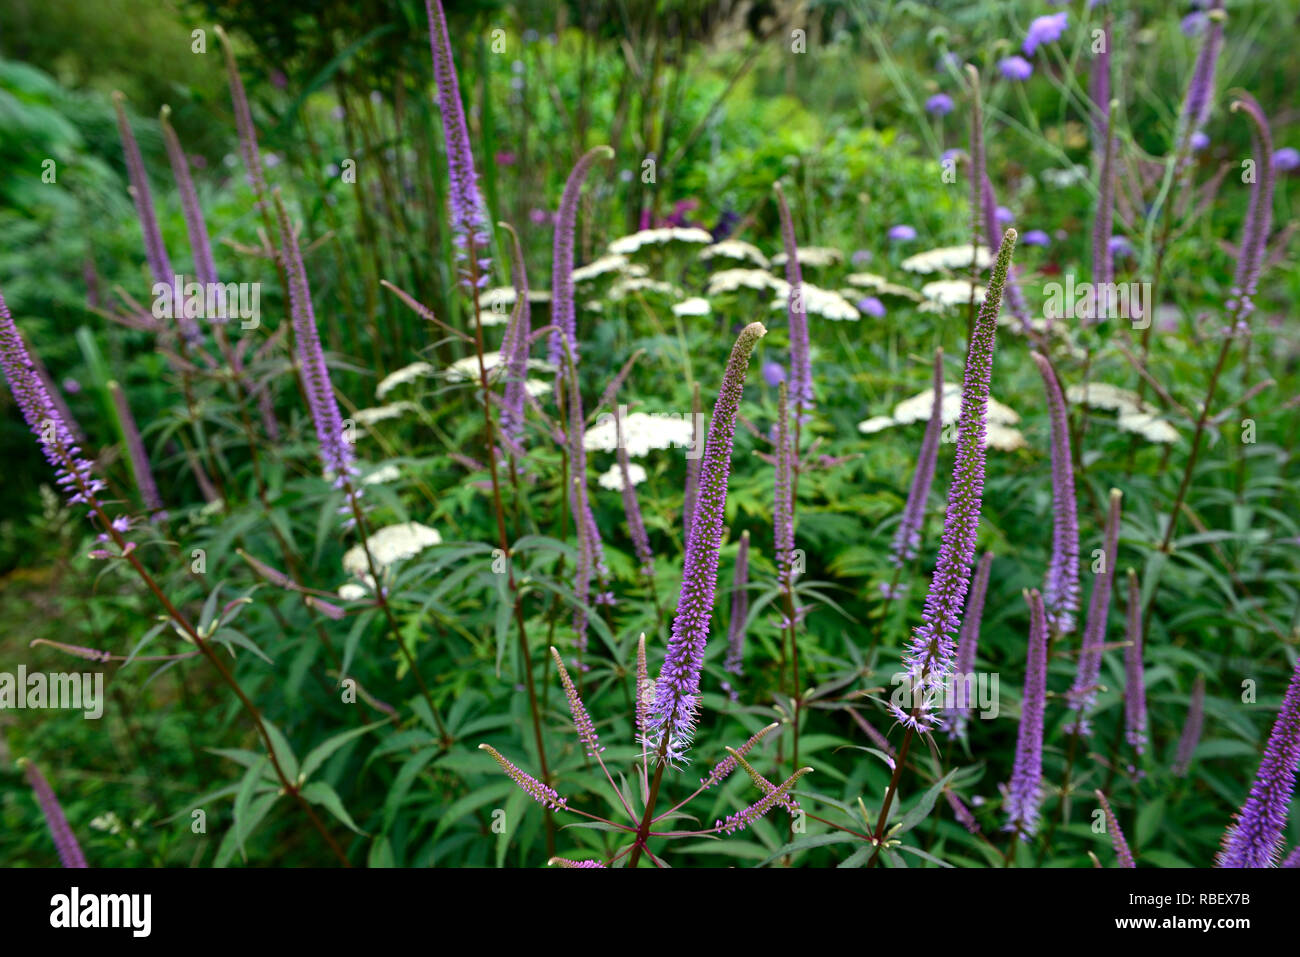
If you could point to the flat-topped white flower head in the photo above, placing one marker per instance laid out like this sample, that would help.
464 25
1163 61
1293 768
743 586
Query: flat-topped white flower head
815 256
642 432
736 249
626 245
613 479
942 293
402 376
820 302
730 280
389 545
947 258
384 413
695 306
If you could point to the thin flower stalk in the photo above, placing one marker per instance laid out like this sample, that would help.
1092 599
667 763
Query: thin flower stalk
136 455
735 661
801 384
1200 90
1135 695
563 313
1191 735
907 538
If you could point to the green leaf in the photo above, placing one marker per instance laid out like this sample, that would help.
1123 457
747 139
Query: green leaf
923 807
319 754
318 792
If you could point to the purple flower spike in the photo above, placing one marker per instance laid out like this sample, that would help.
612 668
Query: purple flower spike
564 862
1292 859
783 497
1099 79
1103 265
1255 838
1015 68
801 387
160 266
778 795
677 690
1024 794
581 719
1045 29
65 842
136 455
468 220
514 350
930 657
722 770
1061 587
1135 693
1259 214
53 432
1200 90
907 538
535 789
632 509
1116 834
739 611
334 449
205 267
244 123
1083 694
968 643
562 311
1191 735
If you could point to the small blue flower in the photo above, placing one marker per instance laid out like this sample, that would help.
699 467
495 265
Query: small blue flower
940 104
1035 237
872 307
901 233
1045 29
1199 141
1015 68
773 373
1286 159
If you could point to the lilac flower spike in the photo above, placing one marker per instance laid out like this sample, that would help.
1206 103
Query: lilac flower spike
801 386
1255 838
136 455
1061 587
907 538
1200 90
1116 834
468 220
581 719
539 792
783 509
739 612
1083 694
1259 214
777 796
1103 263
562 310
1024 794
205 267
160 265
334 449
514 350
1191 735
1135 694
632 509
565 863
672 723
53 432
968 643
244 123
1292 859
65 842
931 655
722 770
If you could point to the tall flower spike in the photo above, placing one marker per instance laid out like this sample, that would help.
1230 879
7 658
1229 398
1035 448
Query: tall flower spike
136 455
1083 694
1103 260
678 688
468 220
535 789
244 123
205 267
1061 586
1024 794
801 386
334 449
1191 735
581 719
932 650
1200 90
1099 79
1255 838
742 819
644 691
907 538
514 351
65 842
591 551
53 433
693 464
563 315
783 495
968 643
735 662
1116 834
1135 693
1259 213
722 770
160 266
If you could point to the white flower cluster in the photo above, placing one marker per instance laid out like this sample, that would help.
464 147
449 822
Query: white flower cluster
948 258
735 249
819 302
882 286
658 237
402 376
814 256
942 293
730 280
695 306
389 545
642 432
613 479
999 431
1133 415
